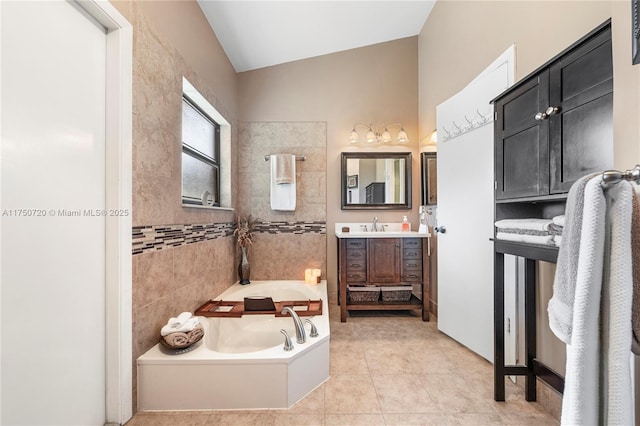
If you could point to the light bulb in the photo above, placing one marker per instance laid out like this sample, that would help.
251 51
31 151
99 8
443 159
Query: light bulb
353 137
402 136
386 136
371 137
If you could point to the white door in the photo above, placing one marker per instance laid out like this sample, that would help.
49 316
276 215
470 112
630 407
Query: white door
465 209
52 203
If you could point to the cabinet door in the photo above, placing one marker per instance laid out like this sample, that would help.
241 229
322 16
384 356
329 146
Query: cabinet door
581 131
521 141
384 260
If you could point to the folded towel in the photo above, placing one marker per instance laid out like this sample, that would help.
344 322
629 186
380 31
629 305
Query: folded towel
180 319
176 339
555 229
635 264
187 326
523 238
557 240
523 231
531 224
283 195
284 165
560 306
558 220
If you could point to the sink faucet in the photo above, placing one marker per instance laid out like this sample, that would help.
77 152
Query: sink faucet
300 333
374 225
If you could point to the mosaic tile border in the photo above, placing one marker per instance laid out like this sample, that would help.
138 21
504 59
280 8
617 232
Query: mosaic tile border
160 237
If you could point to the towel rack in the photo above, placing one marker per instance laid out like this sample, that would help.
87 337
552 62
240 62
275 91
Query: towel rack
614 176
298 157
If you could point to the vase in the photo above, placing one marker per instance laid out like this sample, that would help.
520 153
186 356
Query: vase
244 269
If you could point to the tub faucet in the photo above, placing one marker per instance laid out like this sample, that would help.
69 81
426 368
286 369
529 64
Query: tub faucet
301 336
374 225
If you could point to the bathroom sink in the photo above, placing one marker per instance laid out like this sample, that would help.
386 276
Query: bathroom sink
391 230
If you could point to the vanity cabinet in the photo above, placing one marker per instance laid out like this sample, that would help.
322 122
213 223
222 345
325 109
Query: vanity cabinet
383 262
557 125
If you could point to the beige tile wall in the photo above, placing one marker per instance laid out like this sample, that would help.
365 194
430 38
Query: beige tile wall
284 255
169 281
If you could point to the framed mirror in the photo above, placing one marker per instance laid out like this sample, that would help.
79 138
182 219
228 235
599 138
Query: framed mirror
376 180
429 177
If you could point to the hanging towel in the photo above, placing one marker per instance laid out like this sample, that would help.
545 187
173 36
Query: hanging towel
581 391
283 195
285 168
561 304
617 292
635 253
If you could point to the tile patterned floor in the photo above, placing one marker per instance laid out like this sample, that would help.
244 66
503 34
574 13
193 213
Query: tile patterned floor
388 369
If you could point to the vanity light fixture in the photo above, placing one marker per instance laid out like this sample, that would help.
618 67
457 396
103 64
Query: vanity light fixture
378 134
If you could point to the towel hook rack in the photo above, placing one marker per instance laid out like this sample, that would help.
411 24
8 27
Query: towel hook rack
298 158
615 176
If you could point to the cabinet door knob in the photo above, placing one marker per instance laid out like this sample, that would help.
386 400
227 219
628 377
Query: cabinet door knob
541 116
552 110
440 229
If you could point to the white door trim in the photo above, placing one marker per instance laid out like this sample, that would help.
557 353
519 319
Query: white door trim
118 292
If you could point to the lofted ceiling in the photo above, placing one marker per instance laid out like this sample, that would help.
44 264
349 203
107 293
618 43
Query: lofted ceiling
257 34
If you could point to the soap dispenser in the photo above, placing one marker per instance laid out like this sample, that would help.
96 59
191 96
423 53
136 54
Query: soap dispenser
405 224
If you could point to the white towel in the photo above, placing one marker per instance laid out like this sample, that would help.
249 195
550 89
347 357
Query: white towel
530 224
561 304
581 389
617 294
524 238
177 327
558 220
283 195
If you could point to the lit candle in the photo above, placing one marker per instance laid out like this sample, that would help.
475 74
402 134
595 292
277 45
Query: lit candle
308 276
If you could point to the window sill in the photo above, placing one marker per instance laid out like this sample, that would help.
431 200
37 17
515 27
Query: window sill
195 206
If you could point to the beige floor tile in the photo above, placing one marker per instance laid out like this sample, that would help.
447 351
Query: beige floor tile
348 361
244 418
452 394
299 420
477 419
402 393
354 419
169 419
350 394
430 419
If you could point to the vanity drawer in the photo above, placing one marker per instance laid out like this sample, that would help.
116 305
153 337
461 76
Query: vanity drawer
412 275
410 253
411 243
356 276
356 265
412 265
356 243
357 254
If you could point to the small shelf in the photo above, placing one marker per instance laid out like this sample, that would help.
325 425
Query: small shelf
412 304
538 199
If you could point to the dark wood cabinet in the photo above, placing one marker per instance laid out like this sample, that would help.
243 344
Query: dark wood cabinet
383 262
374 193
556 125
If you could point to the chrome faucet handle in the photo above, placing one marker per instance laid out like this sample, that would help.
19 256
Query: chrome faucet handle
314 330
383 227
287 340
363 228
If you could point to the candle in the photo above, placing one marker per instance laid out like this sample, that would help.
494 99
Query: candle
308 276
316 276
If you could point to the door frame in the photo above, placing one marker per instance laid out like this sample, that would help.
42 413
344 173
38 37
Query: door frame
118 176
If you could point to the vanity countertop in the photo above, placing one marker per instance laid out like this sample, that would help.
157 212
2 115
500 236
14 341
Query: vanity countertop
393 230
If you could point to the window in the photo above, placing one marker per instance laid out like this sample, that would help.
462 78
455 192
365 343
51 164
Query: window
200 156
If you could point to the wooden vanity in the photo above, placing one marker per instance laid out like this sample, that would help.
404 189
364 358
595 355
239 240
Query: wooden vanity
386 264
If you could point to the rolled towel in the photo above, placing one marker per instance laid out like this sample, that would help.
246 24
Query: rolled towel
176 340
196 334
187 326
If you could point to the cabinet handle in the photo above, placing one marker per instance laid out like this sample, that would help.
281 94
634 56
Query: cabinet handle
356 254
549 111
412 276
355 265
354 276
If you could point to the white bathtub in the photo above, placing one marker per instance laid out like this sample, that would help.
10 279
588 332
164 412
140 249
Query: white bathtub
241 363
